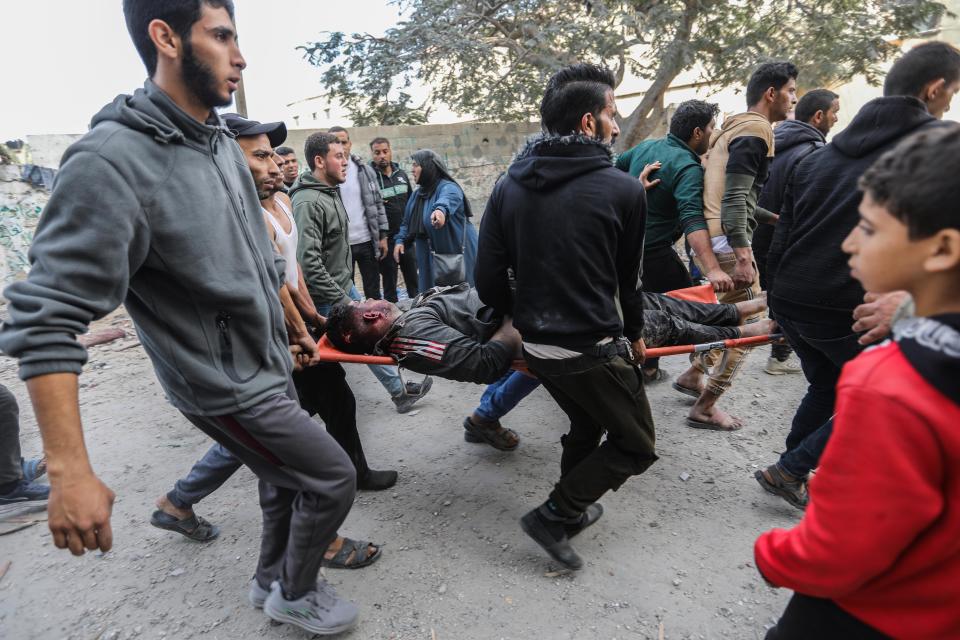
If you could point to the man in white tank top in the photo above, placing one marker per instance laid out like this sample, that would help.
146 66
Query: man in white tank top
321 387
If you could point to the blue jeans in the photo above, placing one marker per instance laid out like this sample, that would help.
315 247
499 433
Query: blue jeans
503 395
805 457
388 376
206 476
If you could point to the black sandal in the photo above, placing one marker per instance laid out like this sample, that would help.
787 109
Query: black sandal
361 555
194 527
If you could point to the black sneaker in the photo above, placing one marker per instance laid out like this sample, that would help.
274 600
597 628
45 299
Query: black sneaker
27 492
587 518
374 480
552 536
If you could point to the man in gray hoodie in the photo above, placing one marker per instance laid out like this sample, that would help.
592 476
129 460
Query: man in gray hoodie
155 208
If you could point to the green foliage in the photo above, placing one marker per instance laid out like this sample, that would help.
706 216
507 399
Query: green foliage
491 58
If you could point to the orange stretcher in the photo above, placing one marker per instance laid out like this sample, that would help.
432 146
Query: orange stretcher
700 293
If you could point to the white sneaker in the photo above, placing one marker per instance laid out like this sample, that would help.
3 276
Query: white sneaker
321 611
258 595
777 368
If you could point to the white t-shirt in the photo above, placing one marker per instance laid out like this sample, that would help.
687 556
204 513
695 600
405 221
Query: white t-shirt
353 202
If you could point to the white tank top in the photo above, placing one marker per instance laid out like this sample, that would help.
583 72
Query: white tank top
287 242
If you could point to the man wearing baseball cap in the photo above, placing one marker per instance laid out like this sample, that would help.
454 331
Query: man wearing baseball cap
321 387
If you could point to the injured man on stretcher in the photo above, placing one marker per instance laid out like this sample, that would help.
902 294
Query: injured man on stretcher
448 332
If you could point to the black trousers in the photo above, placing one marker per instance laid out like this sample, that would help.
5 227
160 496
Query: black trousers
809 618
324 391
389 268
600 395
10 467
365 257
663 271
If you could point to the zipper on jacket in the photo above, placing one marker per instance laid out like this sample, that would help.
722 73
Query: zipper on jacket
223 326
226 346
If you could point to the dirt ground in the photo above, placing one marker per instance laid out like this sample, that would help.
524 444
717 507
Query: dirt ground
674 546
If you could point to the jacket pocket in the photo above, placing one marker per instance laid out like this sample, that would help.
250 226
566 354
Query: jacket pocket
227 353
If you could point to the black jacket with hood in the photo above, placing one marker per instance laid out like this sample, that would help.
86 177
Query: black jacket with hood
794 141
808 274
570 226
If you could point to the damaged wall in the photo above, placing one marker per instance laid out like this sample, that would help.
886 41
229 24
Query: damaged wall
20 207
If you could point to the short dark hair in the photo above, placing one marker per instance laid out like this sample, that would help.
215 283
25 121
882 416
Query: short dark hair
813 101
318 144
284 151
344 318
379 140
923 64
337 129
916 181
179 14
690 115
572 92
769 74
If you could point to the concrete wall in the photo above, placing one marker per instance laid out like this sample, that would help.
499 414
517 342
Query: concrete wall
46 150
475 153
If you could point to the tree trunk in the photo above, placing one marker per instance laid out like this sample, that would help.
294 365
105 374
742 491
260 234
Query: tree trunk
641 122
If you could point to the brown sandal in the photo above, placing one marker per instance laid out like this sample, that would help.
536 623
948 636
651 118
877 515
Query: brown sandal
492 433
774 481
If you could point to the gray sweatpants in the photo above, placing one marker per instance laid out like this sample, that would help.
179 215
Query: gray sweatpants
307 485
10 468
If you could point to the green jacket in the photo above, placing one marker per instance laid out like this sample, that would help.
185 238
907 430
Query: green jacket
675 205
323 244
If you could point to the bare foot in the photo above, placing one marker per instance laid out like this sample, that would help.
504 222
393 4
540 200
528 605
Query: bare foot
712 418
164 504
337 544
749 308
692 378
761 328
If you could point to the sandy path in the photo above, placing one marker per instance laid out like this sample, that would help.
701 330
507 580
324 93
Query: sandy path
456 565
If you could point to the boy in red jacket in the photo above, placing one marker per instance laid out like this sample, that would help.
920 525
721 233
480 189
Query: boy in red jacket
877 554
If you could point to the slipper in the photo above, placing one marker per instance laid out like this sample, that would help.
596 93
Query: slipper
194 527
699 424
361 555
33 469
687 391
490 435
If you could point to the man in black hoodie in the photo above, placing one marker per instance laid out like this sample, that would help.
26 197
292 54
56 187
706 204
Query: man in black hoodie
815 115
563 208
811 291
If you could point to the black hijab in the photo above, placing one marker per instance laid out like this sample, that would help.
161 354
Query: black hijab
432 171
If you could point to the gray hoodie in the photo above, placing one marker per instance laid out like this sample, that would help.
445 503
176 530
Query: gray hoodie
156 210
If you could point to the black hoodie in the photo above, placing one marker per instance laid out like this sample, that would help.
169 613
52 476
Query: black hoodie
571 226
794 141
809 279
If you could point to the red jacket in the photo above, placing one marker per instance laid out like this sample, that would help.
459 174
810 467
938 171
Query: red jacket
881 536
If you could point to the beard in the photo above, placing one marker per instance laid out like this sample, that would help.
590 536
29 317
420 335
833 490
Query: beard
200 79
602 133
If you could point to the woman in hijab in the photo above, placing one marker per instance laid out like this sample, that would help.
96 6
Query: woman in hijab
437 217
